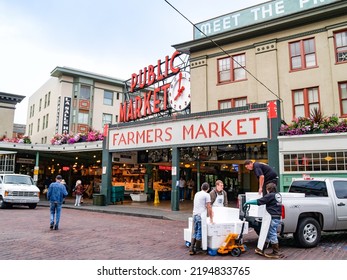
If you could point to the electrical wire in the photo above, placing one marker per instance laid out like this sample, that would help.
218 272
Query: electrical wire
218 46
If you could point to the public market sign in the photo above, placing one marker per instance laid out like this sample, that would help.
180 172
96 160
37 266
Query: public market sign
255 15
199 130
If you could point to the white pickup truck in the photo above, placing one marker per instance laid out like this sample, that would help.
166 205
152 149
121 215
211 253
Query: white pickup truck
18 189
323 207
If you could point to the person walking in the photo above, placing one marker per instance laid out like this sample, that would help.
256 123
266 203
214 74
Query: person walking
273 202
66 187
190 188
78 192
219 196
202 206
182 185
55 194
266 175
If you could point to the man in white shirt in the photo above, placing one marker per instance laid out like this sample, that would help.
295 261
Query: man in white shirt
202 204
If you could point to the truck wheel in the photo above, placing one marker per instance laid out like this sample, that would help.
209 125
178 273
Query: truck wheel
3 204
32 206
308 233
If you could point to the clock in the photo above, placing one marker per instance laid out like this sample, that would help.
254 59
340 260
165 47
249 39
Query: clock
179 91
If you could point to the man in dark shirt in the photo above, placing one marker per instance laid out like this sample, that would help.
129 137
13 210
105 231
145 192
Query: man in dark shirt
265 174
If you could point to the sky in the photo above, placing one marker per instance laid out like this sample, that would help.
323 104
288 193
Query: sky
109 37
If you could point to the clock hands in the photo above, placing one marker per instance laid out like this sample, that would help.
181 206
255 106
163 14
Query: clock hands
180 89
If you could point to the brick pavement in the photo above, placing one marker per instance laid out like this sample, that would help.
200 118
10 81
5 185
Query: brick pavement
93 235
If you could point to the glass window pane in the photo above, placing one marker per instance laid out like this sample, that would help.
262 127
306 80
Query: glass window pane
313 95
300 111
85 92
224 76
295 49
298 97
239 74
310 60
296 62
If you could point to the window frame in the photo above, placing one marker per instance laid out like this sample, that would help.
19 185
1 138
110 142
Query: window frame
232 102
306 104
233 68
340 47
104 120
342 100
108 99
303 55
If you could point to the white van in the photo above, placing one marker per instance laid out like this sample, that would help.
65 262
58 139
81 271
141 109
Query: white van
18 189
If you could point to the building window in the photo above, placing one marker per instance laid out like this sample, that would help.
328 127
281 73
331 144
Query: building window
49 98
40 105
232 103
108 98
343 98
45 101
316 161
341 46
85 92
106 118
83 118
117 95
43 122
116 118
47 120
302 54
231 69
305 101
38 125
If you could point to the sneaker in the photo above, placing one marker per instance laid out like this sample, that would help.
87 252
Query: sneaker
51 226
55 227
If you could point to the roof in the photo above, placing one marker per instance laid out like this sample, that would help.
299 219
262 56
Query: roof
11 98
60 71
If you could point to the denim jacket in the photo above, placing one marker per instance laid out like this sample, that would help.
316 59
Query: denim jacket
56 192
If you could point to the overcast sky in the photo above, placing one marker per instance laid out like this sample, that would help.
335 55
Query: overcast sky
110 37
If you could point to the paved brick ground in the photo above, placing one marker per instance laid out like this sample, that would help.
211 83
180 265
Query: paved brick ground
89 235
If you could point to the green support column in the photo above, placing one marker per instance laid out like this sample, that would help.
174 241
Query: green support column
106 177
36 168
198 184
274 125
175 179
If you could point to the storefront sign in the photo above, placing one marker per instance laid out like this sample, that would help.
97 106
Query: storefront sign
192 131
66 115
154 100
255 15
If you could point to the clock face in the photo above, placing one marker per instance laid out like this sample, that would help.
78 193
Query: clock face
179 92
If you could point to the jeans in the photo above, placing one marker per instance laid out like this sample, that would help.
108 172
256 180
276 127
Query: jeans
197 227
272 234
181 193
55 210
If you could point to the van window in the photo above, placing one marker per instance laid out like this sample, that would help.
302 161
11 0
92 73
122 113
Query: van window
309 188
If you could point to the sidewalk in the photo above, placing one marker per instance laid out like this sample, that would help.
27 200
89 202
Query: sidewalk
140 209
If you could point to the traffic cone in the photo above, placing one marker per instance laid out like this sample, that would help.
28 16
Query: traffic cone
156 198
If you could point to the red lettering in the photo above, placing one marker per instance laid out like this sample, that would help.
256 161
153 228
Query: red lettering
189 131
138 107
133 82
122 140
201 131
130 110
213 129
158 135
151 75
122 112
143 78
159 74
165 88
224 129
140 136
131 137
168 133
239 126
148 136
147 104
254 121
174 69
156 101
114 138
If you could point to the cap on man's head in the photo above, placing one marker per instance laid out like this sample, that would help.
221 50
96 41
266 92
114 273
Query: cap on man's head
58 177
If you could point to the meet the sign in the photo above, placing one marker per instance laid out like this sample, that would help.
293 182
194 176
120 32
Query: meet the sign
255 15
